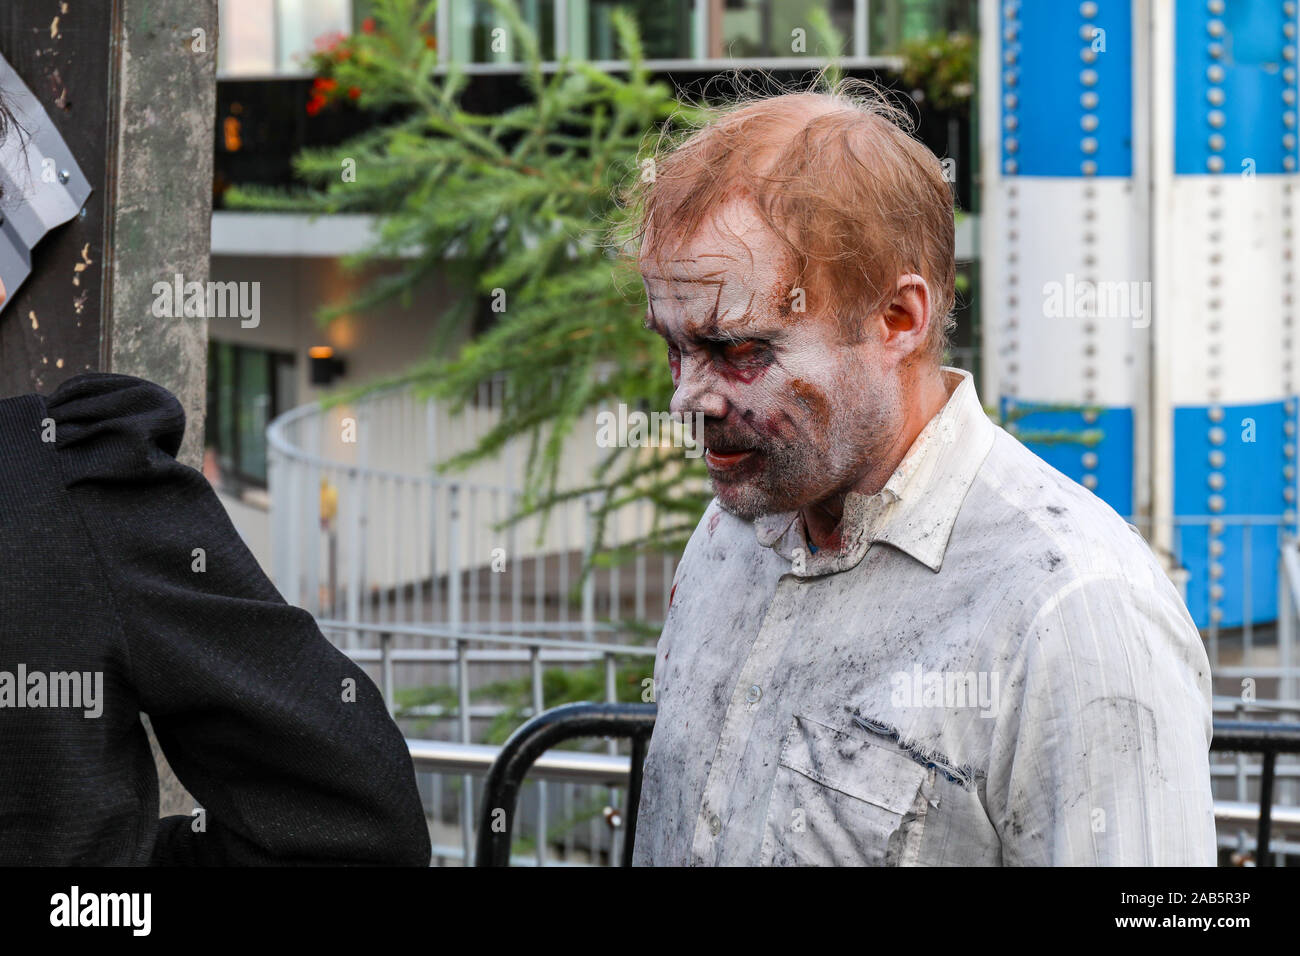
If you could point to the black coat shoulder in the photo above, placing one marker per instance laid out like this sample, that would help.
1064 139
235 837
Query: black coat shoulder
114 426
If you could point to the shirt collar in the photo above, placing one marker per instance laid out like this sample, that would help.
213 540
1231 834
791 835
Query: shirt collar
917 507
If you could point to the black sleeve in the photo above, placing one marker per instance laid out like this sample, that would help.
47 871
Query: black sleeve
248 699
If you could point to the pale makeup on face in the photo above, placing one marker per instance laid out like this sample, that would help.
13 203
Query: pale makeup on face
793 413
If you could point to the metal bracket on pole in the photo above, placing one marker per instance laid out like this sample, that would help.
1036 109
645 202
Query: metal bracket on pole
42 183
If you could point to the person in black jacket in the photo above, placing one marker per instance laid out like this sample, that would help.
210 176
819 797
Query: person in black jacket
120 568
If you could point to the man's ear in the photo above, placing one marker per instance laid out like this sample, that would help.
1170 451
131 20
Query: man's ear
906 319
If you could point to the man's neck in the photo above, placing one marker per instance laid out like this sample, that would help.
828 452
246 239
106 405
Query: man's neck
924 400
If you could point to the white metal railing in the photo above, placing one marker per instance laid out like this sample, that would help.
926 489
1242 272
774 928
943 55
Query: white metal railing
531 652
439 757
406 544
1254 662
1241 772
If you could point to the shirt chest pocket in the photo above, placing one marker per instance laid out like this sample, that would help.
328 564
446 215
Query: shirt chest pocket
842 799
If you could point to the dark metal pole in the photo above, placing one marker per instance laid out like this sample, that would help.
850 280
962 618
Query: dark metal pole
1265 809
633 796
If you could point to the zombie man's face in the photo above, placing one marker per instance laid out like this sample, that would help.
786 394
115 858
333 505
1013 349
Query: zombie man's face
794 413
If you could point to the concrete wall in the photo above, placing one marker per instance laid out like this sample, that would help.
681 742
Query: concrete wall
374 343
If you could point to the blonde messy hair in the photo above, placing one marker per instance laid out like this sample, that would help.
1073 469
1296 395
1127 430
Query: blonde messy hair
837 176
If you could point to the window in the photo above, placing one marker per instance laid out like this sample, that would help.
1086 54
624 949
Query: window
667 28
480 35
895 22
301 23
763 28
247 388
274 37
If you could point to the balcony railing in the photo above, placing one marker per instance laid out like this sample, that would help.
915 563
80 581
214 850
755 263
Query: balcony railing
272 38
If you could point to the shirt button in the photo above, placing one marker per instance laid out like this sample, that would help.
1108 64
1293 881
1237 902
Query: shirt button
754 693
715 824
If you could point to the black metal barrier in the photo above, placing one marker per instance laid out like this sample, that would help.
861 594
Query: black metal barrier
526 744
637 722
1268 740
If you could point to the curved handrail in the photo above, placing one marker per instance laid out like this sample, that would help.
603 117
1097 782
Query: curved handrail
530 741
279 442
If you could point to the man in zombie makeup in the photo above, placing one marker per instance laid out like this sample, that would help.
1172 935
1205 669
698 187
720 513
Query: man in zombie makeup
896 636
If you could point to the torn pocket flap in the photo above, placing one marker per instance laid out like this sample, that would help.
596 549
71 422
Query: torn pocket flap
852 764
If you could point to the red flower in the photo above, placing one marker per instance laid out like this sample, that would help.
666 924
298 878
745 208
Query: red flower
327 42
325 84
431 43
368 25
354 92
314 105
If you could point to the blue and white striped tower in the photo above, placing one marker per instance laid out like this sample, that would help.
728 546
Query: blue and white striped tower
1140 164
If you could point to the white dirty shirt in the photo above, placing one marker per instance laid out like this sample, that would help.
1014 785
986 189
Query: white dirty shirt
993 669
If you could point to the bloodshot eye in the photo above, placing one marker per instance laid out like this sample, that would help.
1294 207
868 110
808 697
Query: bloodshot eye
748 353
674 360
